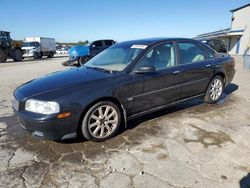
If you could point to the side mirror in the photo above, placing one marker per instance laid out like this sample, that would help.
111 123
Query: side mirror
145 69
92 46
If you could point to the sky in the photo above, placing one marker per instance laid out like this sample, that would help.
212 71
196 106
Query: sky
75 20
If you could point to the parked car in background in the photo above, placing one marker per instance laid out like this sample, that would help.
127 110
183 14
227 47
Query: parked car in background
80 54
218 45
38 47
64 51
125 81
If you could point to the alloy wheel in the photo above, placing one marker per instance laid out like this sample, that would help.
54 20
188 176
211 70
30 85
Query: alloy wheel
103 121
216 89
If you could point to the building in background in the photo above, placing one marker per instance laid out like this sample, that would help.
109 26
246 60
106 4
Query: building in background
237 37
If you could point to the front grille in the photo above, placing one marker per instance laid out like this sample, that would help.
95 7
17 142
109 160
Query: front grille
15 104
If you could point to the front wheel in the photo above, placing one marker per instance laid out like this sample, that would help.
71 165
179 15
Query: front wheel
36 55
82 60
3 57
101 121
17 55
214 90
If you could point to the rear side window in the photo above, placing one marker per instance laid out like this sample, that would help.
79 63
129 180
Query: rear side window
190 52
108 42
210 53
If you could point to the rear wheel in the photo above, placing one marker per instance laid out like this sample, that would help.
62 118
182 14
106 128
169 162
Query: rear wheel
51 54
101 121
214 90
17 55
3 56
82 60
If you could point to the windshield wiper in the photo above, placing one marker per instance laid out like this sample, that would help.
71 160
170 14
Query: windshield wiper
101 69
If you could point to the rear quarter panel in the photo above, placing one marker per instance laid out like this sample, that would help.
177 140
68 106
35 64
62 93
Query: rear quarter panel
225 64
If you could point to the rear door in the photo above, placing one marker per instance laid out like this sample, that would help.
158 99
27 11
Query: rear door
161 87
196 68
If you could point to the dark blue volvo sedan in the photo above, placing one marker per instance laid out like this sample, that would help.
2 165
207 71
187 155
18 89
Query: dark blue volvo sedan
124 81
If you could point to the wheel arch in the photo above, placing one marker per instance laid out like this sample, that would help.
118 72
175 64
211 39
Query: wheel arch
222 74
219 73
111 99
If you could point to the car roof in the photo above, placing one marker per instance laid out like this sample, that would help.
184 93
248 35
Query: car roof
151 41
101 40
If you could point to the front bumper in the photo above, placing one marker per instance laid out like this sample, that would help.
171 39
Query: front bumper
49 129
28 55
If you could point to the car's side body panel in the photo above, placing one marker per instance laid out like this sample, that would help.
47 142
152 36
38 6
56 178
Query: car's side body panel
195 78
158 88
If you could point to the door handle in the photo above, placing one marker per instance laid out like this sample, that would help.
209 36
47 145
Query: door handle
176 72
209 65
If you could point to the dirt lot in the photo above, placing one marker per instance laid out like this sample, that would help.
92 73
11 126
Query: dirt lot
188 145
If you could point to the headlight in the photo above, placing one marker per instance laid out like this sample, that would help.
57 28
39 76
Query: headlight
42 107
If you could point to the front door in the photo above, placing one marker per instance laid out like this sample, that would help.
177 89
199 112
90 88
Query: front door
161 87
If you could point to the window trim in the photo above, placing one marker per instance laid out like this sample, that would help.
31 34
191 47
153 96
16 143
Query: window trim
206 49
135 67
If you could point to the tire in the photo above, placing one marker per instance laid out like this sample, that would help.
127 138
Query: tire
214 90
83 60
102 128
40 55
17 55
3 57
36 56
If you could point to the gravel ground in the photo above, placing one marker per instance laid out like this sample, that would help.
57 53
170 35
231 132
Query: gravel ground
188 145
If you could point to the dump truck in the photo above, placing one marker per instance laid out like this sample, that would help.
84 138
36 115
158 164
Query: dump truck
9 48
38 47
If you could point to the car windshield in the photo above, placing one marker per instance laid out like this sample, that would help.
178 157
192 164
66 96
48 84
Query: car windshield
29 44
117 57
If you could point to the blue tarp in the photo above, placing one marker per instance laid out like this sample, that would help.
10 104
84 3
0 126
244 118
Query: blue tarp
78 51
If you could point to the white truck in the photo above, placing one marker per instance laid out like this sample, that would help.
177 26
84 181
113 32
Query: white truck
38 47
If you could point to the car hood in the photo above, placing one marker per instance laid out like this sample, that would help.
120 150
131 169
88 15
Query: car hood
62 79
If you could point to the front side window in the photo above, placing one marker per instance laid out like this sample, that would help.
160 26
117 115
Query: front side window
190 52
97 43
115 58
30 44
161 57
